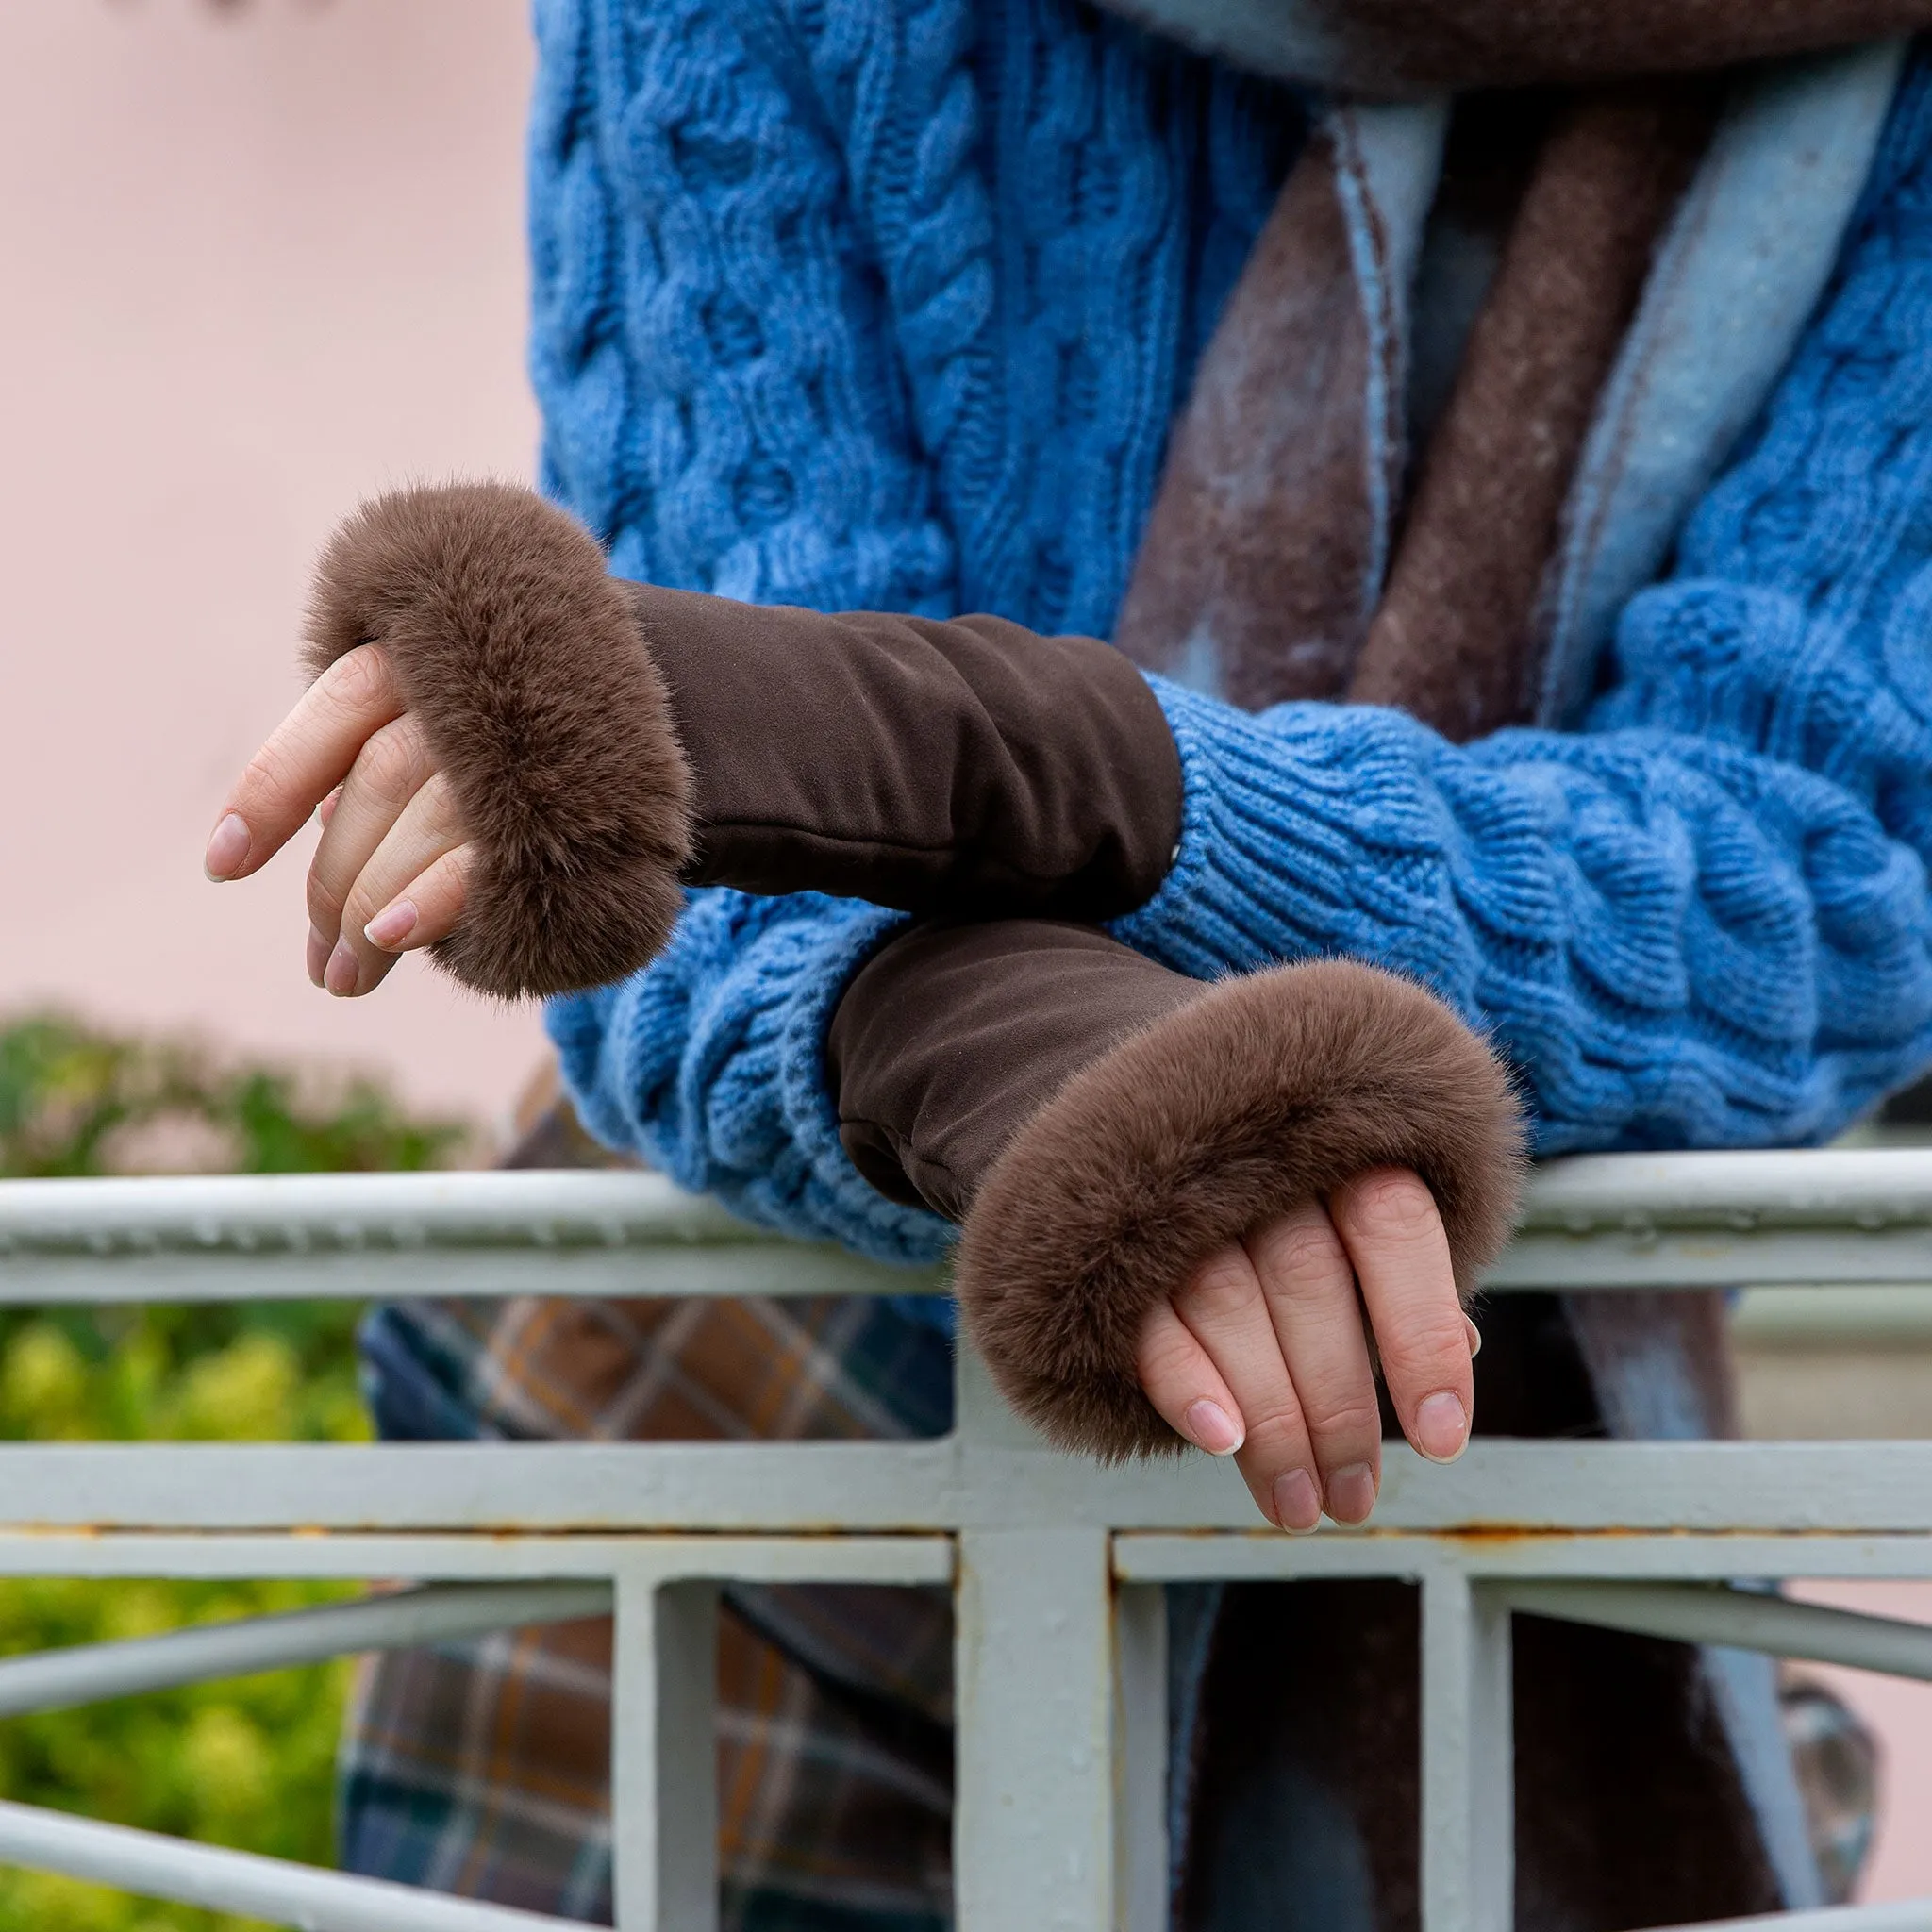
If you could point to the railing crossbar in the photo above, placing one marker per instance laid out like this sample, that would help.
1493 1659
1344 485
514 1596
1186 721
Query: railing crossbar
91 1673
1609 1221
219 1880
1741 1619
1060 1669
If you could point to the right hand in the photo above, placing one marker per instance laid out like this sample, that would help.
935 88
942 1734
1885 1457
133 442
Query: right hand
390 872
1260 1352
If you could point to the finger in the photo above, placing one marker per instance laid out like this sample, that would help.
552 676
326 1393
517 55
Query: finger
1475 1338
1389 1223
1223 1307
429 909
391 767
1308 1284
1184 1388
320 944
427 829
305 758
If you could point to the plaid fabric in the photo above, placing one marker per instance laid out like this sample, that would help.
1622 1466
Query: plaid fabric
483 1768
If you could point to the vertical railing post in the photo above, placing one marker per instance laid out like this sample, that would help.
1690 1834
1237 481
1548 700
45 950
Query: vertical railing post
1033 1818
664 1756
1035 1680
1469 1863
1141 1750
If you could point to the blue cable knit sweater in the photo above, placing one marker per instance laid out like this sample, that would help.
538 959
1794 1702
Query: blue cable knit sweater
888 305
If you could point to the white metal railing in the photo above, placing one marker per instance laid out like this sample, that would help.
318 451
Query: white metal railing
1058 1565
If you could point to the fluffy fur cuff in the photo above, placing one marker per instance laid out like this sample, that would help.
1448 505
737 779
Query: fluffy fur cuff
1265 1091
541 706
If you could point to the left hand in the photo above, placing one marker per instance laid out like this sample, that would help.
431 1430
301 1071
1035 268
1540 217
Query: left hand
1260 1352
390 872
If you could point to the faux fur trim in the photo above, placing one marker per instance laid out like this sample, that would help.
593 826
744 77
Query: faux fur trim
1266 1090
541 703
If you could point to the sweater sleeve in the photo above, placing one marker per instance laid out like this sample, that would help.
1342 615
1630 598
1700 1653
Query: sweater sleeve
715 349
711 1063
723 403
1705 920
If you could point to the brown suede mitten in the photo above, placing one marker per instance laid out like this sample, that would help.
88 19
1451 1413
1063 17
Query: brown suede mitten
610 742
1101 1126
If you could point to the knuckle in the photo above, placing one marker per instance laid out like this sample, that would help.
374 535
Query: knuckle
324 906
1277 1433
264 775
1164 1356
359 678
1392 1201
1223 1282
441 810
387 764
358 908
1341 1417
441 897
1308 1248
1437 1348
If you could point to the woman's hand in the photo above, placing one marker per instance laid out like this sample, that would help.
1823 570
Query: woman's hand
1262 1354
389 872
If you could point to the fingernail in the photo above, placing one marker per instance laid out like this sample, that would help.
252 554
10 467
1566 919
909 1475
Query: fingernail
1441 1426
341 973
318 956
1211 1427
1475 1338
227 850
1352 1494
1297 1506
394 924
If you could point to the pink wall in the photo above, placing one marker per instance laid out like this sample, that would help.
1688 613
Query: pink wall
257 262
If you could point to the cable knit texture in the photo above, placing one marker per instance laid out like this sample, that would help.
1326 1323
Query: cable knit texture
1703 922
878 306
889 305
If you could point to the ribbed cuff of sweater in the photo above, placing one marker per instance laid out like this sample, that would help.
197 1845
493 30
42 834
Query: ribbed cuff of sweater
1304 832
1633 918
711 1063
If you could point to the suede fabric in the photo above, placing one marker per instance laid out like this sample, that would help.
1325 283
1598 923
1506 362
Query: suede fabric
610 741
965 767
1642 320
1101 1126
951 1038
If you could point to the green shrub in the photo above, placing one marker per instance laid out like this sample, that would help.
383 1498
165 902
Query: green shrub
248 1762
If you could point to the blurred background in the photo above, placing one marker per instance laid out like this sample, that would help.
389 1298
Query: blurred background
261 259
